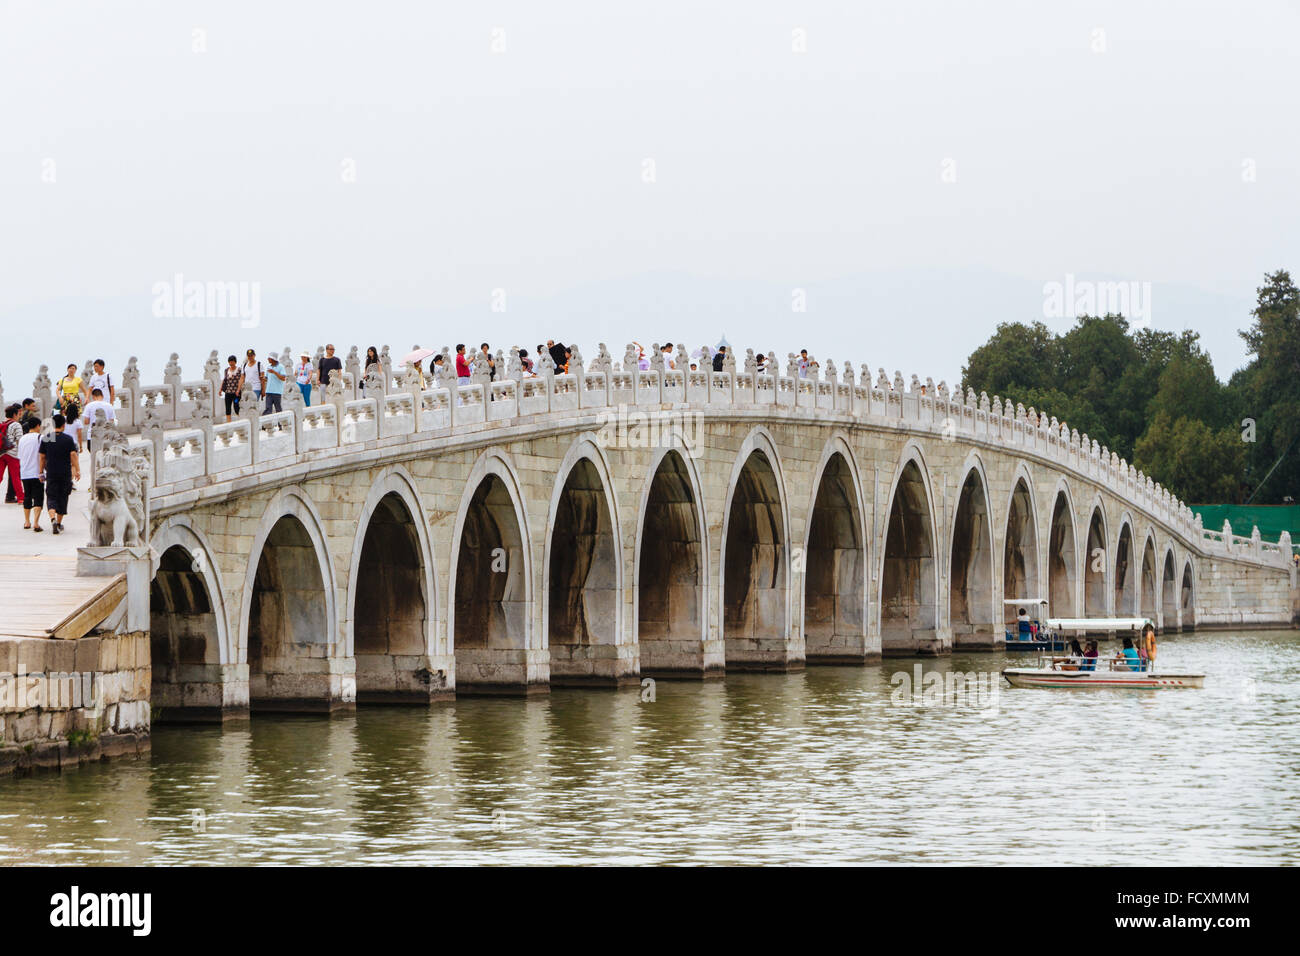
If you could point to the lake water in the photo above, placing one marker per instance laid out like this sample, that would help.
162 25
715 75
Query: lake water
820 766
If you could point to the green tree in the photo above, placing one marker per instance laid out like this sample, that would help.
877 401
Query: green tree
1123 386
1187 386
1100 363
1017 356
1269 390
1194 461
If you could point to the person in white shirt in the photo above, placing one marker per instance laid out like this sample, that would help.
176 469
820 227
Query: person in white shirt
103 381
98 408
29 471
73 429
303 373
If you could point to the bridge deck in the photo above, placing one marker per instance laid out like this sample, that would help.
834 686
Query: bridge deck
38 577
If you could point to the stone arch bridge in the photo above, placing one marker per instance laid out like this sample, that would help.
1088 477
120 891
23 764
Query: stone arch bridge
398 543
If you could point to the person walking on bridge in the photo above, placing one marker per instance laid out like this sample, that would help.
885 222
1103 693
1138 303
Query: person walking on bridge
9 439
29 458
97 409
303 373
275 380
254 375
559 355
332 364
232 383
29 411
59 466
103 381
72 391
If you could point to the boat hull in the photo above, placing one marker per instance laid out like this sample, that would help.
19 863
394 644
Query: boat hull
1042 677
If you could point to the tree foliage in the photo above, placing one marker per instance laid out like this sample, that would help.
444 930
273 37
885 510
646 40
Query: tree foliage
1153 397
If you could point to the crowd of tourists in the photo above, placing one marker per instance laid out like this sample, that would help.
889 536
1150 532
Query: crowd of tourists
41 458
267 378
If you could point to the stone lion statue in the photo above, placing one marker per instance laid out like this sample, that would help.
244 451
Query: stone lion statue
117 508
112 519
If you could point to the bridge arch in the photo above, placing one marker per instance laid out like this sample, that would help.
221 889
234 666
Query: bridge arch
1020 548
1125 580
176 532
835 559
1169 591
582 570
670 572
189 633
1187 598
1096 563
971 596
489 620
755 559
289 627
1150 581
391 604
1062 555
909 582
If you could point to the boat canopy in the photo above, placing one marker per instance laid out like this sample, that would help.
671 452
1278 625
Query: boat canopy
1098 623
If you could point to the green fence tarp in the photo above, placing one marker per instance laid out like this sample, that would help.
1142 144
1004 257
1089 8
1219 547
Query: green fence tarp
1271 519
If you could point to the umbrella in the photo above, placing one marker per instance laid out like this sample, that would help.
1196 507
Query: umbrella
723 342
698 354
419 355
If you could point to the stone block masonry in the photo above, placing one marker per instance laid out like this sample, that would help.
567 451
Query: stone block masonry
66 703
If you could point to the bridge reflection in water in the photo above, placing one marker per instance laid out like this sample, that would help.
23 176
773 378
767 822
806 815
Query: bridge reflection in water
820 765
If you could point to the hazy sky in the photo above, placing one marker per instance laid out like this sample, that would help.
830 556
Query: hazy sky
380 168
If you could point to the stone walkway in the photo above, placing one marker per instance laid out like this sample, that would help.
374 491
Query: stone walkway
38 572
15 541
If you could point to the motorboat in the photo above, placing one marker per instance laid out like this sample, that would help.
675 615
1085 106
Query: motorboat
1110 673
1035 634
1118 671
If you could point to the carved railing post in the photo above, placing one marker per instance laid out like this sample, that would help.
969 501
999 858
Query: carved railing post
172 379
249 411
151 430
41 392
352 365
212 375
336 395
576 370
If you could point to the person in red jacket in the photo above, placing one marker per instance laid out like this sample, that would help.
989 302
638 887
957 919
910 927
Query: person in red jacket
462 365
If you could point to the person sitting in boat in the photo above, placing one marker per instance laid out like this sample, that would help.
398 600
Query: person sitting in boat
1089 657
1025 626
1071 663
1128 659
1149 645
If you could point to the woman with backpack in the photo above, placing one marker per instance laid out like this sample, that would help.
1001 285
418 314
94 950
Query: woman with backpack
10 436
